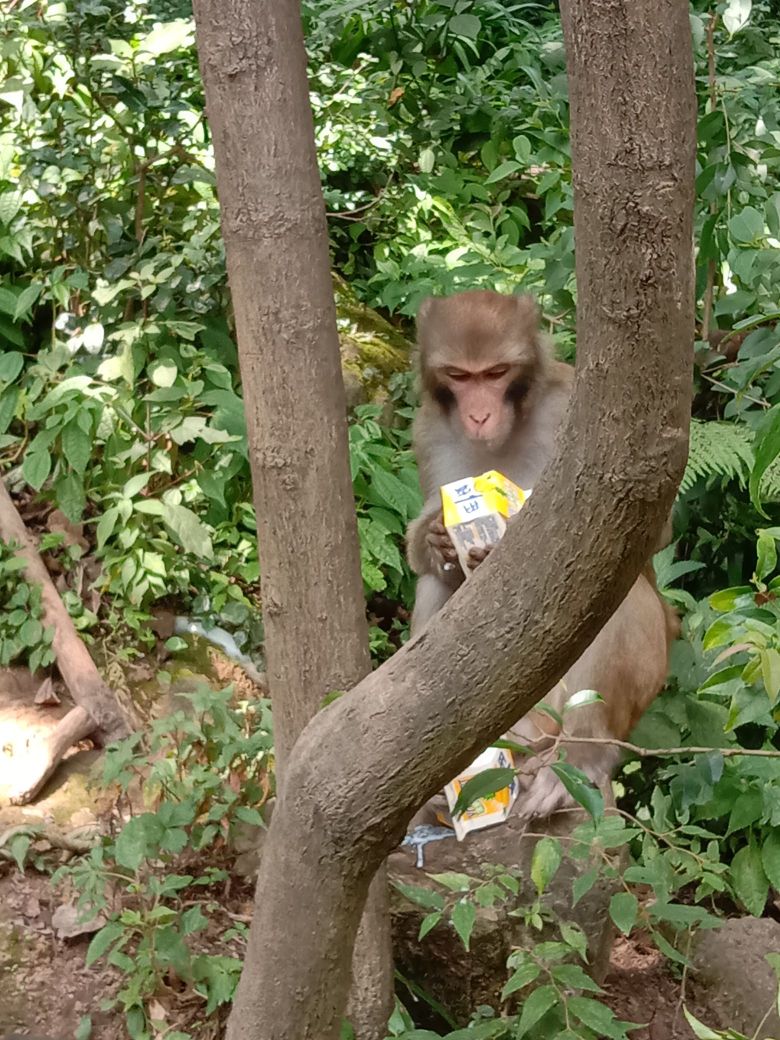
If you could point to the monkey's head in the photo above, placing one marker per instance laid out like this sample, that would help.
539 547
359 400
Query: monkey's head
480 359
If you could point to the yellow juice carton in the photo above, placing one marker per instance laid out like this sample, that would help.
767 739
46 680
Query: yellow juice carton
485 811
476 510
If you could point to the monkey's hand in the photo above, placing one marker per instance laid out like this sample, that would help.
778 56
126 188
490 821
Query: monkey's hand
439 543
477 554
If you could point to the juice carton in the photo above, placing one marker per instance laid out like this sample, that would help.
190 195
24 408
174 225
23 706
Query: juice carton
485 811
476 510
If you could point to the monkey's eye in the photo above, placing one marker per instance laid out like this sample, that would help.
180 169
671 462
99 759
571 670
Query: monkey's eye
457 375
497 373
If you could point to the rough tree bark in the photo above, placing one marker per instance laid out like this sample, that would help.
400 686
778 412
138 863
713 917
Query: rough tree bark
363 765
253 62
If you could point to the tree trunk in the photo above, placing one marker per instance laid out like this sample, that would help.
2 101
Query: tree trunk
273 220
363 766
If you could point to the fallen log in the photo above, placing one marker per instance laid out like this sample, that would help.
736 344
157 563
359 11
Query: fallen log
98 713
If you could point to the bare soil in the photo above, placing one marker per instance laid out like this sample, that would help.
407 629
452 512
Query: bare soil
642 987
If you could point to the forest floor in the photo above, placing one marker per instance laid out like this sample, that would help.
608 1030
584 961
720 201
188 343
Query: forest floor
47 990
641 987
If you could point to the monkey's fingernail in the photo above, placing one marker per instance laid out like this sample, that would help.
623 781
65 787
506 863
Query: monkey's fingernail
448 567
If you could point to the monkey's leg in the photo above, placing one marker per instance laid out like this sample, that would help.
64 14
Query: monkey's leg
432 594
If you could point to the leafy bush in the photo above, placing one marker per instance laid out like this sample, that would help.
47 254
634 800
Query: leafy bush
161 877
23 636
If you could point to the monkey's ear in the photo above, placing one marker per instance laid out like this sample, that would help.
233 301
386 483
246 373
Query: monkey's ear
425 309
527 311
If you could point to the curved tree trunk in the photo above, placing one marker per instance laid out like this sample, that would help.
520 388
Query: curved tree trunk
362 767
273 220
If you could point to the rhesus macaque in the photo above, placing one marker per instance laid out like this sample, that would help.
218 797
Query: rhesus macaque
493 398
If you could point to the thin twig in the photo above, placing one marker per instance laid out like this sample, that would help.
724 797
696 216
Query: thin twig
659 752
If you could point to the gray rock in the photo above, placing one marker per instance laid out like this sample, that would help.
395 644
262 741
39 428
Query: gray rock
732 977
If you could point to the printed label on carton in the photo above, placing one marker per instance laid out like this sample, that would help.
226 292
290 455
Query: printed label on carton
485 811
476 509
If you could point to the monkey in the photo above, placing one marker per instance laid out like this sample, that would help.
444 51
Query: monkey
492 398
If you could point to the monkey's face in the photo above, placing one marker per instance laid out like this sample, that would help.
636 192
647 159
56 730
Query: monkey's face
480 358
483 400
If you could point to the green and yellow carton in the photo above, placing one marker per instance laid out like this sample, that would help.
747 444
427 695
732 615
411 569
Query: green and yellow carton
476 510
484 812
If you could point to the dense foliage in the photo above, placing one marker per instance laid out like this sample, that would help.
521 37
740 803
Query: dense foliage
442 129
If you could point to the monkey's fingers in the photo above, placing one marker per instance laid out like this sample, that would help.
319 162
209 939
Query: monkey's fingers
441 545
477 554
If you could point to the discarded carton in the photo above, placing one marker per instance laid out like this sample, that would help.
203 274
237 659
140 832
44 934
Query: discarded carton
476 510
484 812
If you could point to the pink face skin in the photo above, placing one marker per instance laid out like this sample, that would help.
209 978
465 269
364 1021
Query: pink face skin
480 397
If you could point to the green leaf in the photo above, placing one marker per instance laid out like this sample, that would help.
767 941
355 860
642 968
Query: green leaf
136 484
139 838
11 364
76 446
623 909
524 976
36 468
504 169
770 858
701 1031
467 25
103 941
537 1005
167 37
582 699
31 632
737 15
595 1015
463 915
25 301
190 532
572 976
426 160
766 449
728 599
84 1028
18 847
429 922
71 496
747 225
8 403
395 494
106 525
580 788
453 881
10 204
163 374
749 881
483 785
424 897
545 862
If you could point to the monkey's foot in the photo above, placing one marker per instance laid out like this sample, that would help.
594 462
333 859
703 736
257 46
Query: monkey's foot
41 759
544 796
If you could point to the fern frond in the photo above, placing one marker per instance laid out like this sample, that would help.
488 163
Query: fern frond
770 483
718 449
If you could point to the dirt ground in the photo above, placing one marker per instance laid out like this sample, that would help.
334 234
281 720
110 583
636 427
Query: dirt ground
46 990
641 987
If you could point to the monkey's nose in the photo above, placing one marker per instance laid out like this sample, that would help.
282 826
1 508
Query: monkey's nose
479 421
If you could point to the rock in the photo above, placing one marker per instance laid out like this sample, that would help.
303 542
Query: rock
732 977
462 980
68 922
372 349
